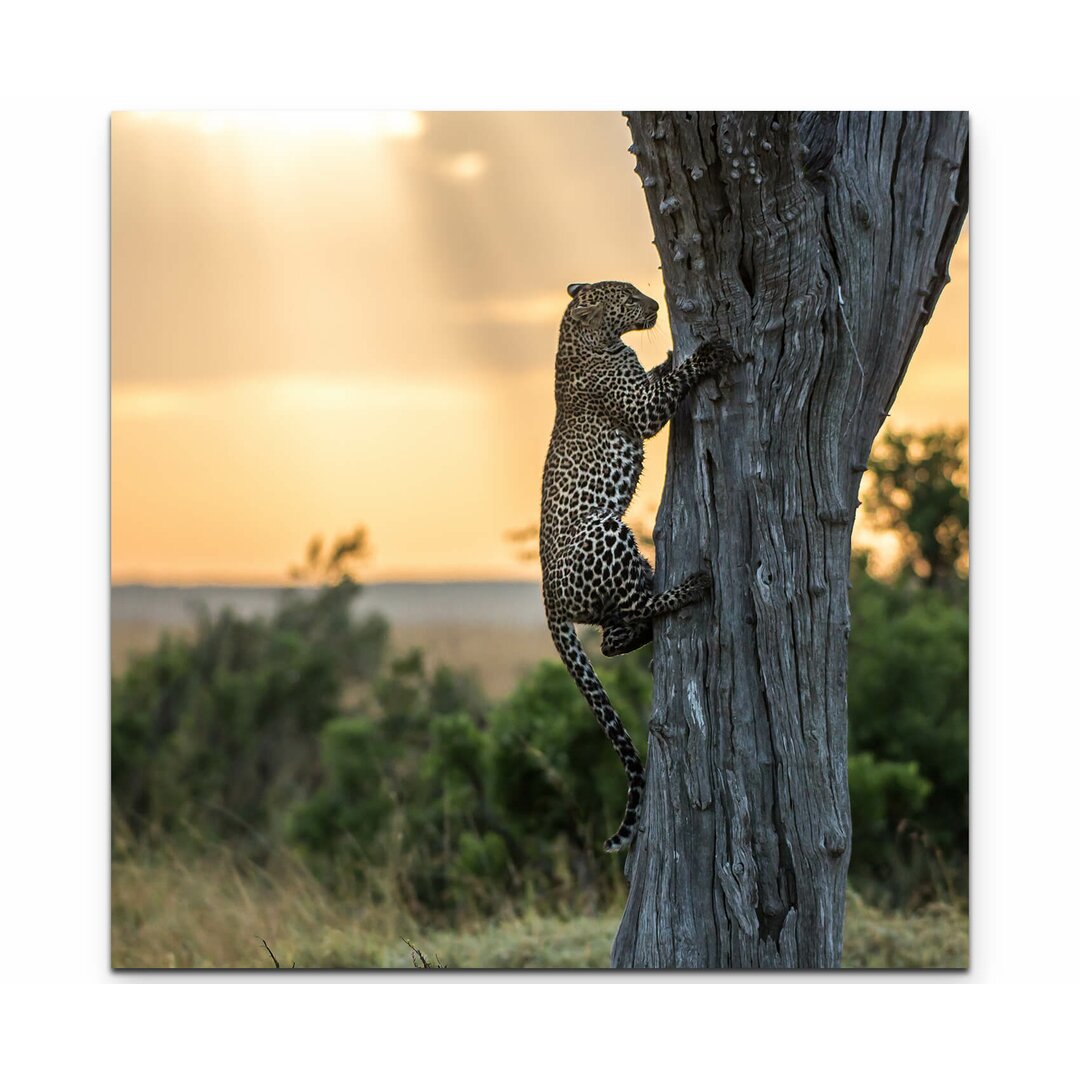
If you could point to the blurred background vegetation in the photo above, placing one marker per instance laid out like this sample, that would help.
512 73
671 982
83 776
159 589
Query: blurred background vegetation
288 778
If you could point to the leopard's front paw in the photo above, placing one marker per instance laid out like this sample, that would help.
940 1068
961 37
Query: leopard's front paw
714 356
697 586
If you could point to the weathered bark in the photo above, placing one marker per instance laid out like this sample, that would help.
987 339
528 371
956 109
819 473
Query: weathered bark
819 244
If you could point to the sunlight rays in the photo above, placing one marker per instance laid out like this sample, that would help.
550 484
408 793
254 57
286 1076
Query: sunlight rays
331 317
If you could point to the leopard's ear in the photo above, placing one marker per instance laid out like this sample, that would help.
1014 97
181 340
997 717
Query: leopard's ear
588 310
589 315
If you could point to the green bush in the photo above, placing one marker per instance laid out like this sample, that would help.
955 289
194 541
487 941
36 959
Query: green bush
354 803
220 733
403 787
553 771
474 805
907 707
883 793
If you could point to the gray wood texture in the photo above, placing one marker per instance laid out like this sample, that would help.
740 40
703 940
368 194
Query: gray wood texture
818 243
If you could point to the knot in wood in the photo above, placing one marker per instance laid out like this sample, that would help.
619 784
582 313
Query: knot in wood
834 843
659 726
670 204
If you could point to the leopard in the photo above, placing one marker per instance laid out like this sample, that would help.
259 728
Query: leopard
592 570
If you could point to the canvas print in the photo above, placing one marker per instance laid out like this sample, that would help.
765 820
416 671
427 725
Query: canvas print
539 540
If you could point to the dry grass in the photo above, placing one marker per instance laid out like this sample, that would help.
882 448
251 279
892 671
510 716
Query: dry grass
936 937
169 912
208 913
497 655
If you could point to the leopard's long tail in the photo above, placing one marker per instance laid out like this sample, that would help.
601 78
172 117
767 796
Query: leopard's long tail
582 672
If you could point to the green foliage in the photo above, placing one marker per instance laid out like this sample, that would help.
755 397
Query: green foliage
908 670
916 488
882 794
553 771
219 734
403 789
354 803
481 868
907 710
473 804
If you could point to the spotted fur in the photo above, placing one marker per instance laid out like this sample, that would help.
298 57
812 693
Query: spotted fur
607 405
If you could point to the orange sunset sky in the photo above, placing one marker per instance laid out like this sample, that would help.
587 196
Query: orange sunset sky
323 320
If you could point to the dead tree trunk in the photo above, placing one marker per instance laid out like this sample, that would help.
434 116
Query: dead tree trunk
818 243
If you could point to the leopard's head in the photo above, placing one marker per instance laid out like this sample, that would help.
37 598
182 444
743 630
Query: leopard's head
609 309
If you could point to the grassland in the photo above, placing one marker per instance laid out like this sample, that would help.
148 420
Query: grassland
498 656
172 912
